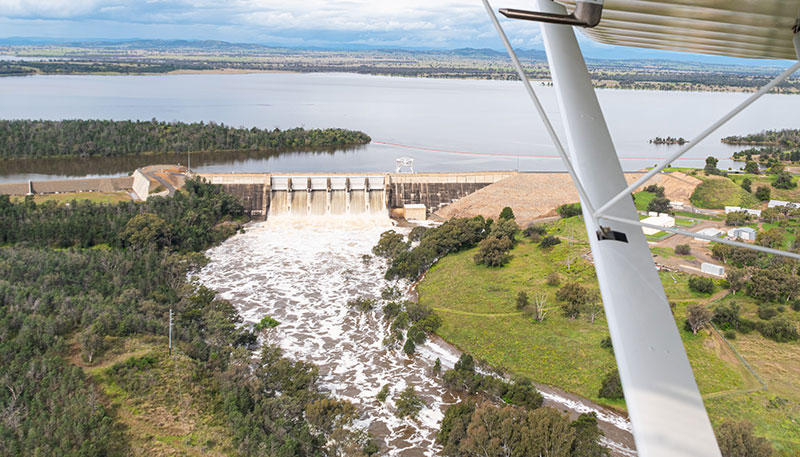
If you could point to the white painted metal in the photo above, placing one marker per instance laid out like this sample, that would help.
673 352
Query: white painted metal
540 109
666 410
700 137
741 28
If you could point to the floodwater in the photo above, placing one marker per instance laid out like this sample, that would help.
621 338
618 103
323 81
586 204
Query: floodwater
302 271
445 125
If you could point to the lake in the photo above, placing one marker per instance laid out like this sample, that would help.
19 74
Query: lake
445 125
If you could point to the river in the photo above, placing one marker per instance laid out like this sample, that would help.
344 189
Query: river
445 125
302 271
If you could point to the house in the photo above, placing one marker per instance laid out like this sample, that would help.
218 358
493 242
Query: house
744 233
710 268
662 220
732 209
712 232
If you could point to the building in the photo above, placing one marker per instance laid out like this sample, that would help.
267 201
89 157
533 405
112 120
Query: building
662 220
744 233
710 268
415 212
774 203
712 232
737 209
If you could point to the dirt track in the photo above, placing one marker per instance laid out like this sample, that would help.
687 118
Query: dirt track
536 195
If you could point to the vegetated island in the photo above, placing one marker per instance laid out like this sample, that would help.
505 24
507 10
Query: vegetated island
789 138
105 138
669 140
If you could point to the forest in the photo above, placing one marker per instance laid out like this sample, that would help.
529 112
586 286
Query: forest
86 274
104 138
788 138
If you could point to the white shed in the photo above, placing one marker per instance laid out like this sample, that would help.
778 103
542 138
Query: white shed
662 220
710 268
415 212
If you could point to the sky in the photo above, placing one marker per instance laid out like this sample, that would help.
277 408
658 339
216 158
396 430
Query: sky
411 24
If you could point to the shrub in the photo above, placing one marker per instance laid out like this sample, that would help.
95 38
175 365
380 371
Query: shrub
417 233
784 181
266 322
383 394
535 229
569 210
606 343
726 316
390 245
362 304
683 249
522 300
611 386
409 347
437 366
493 252
656 189
751 167
701 285
553 279
549 241
736 439
781 330
730 334
767 312
391 310
746 183
796 305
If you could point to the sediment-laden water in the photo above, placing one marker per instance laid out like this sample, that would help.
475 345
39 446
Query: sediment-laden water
302 271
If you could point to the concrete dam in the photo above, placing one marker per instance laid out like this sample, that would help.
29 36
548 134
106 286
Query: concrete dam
264 194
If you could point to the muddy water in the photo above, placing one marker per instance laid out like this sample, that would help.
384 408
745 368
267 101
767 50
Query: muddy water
302 271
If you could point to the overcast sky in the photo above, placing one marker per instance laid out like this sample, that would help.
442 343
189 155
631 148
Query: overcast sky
442 24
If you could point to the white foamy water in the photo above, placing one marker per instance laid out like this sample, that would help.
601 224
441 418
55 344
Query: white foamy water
302 271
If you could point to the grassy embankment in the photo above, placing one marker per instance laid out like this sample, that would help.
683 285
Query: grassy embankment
158 410
66 197
477 306
717 192
757 181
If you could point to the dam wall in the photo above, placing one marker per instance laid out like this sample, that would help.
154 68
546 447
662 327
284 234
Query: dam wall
264 194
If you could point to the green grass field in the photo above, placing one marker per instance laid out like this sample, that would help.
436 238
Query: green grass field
767 180
477 306
717 192
642 199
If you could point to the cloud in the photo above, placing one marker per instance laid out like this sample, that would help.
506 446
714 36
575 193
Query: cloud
413 23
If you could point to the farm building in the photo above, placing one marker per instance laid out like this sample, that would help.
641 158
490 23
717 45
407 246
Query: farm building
710 268
713 232
744 233
662 220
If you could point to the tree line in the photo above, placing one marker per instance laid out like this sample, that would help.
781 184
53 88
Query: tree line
104 138
117 281
788 138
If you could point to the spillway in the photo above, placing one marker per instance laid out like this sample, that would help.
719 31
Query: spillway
327 195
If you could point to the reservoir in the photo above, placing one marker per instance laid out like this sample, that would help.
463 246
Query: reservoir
445 125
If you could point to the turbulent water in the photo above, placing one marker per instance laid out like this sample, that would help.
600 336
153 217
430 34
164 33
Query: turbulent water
302 271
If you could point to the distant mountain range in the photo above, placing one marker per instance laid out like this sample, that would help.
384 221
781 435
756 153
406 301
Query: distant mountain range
701 62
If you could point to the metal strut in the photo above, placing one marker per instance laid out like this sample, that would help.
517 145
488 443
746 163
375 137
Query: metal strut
587 13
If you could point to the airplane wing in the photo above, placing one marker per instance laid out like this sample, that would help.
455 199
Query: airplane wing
760 29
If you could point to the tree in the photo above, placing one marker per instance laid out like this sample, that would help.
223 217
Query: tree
507 213
493 252
735 218
611 387
697 317
770 284
548 433
701 284
539 311
746 184
726 316
383 394
737 278
92 341
659 205
656 189
587 437
736 439
145 230
780 329
390 245
569 210
553 279
763 193
683 249
771 214
784 181
711 166
751 167
408 403
575 297
772 238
